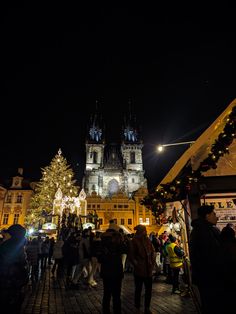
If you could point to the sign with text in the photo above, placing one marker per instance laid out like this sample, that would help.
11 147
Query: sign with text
225 208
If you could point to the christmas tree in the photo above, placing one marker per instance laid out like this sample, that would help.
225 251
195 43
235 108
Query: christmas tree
57 175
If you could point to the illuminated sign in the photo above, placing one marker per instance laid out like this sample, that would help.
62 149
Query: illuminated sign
49 226
88 224
225 207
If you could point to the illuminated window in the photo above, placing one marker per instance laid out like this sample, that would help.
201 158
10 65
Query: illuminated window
140 220
8 199
113 187
5 219
19 198
16 218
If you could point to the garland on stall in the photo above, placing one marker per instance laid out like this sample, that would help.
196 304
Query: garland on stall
178 188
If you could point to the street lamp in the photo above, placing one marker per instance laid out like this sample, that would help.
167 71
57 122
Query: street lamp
160 148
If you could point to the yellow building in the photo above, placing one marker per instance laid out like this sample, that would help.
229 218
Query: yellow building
126 212
14 201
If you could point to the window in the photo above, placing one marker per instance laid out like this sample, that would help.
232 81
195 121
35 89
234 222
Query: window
140 220
122 221
132 180
147 221
19 198
95 157
132 157
89 206
113 187
115 221
16 218
8 199
94 206
98 206
129 221
126 206
5 219
120 206
114 206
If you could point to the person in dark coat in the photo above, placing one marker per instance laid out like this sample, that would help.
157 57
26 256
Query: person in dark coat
229 246
142 256
207 261
13 270
109 255
32 252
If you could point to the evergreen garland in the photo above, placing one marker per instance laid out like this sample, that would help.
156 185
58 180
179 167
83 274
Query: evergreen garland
178 188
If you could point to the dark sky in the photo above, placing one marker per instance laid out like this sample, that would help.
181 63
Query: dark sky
177 68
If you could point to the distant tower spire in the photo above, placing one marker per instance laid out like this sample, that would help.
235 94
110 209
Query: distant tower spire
95 132
130 129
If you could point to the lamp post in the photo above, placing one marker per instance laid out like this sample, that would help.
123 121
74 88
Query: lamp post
160 148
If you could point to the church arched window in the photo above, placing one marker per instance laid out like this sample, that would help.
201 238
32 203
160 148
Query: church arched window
113 187
132 157
95 157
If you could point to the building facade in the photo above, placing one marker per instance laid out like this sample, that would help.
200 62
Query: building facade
14 201
114 178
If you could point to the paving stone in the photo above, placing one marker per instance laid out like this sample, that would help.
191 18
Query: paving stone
50 295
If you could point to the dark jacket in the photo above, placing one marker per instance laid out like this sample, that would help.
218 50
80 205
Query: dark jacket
13 264
142 256
109 255
206 253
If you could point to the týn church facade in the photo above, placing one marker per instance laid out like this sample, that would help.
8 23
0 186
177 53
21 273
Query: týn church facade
114 178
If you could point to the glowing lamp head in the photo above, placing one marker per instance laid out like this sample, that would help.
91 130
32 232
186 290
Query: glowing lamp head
160 148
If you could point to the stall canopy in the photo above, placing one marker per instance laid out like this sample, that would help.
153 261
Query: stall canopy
202 147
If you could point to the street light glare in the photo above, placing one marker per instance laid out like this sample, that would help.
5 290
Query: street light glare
160 148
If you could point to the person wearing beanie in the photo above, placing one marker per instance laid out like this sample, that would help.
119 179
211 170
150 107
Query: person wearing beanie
208 260
13 269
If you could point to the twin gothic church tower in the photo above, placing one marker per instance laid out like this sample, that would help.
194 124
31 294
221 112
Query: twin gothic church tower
113 168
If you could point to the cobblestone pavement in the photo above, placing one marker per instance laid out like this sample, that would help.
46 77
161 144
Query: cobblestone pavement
51 295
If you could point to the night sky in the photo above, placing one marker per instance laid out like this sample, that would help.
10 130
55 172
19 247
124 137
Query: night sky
178 70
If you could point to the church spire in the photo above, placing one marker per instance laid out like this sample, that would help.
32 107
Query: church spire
96 127
130 131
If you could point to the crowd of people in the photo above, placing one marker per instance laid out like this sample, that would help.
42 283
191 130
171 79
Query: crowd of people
83 255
